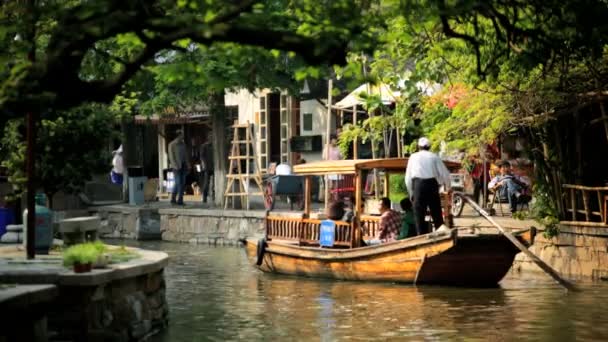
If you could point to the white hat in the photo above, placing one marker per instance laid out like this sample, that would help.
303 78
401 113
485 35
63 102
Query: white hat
423 142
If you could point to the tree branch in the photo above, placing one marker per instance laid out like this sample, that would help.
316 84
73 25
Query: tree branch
109 56
79 28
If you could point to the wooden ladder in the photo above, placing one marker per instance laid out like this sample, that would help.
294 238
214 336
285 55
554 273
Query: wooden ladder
239 180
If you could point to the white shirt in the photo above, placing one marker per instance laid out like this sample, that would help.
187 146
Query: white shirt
426 165
117 165
283 169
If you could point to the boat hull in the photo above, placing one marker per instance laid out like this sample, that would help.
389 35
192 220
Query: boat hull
458 259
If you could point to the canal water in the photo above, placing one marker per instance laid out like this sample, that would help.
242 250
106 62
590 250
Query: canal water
215 295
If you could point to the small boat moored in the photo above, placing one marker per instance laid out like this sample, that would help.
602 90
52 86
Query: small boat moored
464 256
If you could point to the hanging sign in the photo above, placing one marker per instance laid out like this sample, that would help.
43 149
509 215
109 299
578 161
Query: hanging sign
328 233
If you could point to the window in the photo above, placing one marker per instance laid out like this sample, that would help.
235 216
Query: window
307 119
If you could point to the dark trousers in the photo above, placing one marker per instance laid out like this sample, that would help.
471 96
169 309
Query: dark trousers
179 176
426 195
204 183
480 190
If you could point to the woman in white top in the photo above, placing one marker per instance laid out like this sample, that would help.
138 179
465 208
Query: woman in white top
117 167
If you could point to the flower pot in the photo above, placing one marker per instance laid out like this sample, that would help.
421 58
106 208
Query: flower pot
82 268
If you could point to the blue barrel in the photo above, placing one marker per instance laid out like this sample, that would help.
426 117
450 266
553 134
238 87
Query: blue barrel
44 226
6 217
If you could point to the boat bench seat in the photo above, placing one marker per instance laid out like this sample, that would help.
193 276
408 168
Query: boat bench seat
369 226
306 231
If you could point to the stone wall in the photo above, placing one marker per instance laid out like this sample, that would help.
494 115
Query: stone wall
131 309
577 252
126 222
215 227
123 302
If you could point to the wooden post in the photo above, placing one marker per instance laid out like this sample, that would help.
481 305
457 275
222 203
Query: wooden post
600 205
355 142
31 188
386 184
399 155
356 224
327 138
247 159
573 202
586 205
358 193
30 166
307 196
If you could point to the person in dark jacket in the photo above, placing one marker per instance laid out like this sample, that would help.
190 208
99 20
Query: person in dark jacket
206 172
178 161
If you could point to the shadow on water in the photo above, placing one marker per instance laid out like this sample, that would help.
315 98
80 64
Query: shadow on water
215 295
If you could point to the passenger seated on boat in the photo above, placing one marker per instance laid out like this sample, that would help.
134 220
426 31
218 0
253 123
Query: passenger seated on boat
390 223
408 223
335 211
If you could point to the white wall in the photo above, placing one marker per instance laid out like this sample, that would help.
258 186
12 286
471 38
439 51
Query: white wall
319 125
319 118
246 101
248 104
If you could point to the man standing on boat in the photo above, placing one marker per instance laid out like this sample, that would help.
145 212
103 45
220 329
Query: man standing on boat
424 174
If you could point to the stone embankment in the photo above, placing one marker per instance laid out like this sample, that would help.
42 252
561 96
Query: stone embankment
128 222
214 227
123 302
577 252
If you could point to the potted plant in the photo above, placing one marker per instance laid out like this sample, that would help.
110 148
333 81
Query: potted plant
81 257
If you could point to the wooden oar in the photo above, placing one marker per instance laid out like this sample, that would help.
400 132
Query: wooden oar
550 271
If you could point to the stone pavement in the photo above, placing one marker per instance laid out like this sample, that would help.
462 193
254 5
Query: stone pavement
470 217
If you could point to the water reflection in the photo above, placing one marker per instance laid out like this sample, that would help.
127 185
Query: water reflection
214 295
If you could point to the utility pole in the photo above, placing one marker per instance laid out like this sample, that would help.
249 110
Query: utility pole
327 138
31 146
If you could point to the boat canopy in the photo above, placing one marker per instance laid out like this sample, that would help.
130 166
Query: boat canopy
350 166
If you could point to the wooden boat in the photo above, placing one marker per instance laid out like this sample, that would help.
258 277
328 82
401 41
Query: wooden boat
466 256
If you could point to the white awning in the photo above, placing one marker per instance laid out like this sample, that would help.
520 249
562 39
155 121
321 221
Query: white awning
387 95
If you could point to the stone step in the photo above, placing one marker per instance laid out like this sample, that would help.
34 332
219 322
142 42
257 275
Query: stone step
12 237
14 228
79 224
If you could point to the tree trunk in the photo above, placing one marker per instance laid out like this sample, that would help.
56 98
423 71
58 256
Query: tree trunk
218 127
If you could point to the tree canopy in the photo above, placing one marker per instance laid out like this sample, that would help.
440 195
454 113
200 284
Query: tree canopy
118 37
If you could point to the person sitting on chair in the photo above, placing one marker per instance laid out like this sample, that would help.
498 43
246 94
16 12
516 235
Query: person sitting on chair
506 185
390 223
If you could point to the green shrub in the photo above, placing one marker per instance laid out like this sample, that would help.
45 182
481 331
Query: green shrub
82 253
397 187
100 246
